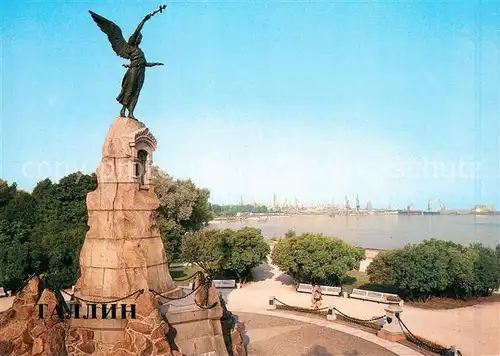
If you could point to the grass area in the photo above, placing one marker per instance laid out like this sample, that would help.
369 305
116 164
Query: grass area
360 280
356 279
183 272
450 303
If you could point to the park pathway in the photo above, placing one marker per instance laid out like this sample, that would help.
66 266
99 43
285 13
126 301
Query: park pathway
279 333
475 330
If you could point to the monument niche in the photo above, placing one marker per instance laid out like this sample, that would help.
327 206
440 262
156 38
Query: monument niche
122 261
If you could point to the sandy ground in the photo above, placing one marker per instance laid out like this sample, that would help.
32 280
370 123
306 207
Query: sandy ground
475 330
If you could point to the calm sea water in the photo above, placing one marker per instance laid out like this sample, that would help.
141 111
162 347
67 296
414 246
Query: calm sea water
384 231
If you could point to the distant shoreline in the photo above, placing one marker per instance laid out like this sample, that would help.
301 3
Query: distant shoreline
267 216
377 232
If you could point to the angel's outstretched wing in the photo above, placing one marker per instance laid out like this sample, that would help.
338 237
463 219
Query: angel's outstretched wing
114 33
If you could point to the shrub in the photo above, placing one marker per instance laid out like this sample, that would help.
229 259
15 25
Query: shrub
314 258
437 268
230 253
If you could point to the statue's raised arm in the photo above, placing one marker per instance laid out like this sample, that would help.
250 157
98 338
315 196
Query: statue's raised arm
114 33
133 39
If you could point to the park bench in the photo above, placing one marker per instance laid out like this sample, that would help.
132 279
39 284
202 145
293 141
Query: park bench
224 283
331 290
304 288
326 290
374 296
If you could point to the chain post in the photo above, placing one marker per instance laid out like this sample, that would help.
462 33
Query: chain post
330 316
272 303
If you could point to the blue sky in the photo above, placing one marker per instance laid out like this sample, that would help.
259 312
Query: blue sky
398 102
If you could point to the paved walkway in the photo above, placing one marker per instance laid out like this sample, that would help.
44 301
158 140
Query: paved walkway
341 339
475 330
275 333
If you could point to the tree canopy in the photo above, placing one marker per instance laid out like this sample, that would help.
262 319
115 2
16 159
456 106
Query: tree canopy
44 230
437 268
232 210
228 253
315 258
183 208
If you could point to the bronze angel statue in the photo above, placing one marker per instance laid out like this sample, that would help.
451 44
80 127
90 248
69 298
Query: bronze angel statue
134 77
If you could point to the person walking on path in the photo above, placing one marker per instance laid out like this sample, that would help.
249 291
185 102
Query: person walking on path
316 297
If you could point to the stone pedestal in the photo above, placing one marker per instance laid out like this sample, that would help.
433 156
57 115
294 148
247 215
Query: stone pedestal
331 313
123 251
391 330
272 304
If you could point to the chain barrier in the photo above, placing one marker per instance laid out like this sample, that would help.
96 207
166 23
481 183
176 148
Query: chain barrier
369 323
300 309
204 283
421 342
88 301
179 298
366 322
205 307
359 320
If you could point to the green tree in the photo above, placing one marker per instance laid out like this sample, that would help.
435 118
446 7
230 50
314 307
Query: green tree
206 248
437 268
7 192
216 210
227 253
64 201
497 253
61 215
232 210
246 249
380 270
16 224
485 270
314 258
14 262
172 235
183 208
56 251
290 233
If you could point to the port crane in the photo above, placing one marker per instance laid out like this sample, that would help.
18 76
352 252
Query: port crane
346 203
443 207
